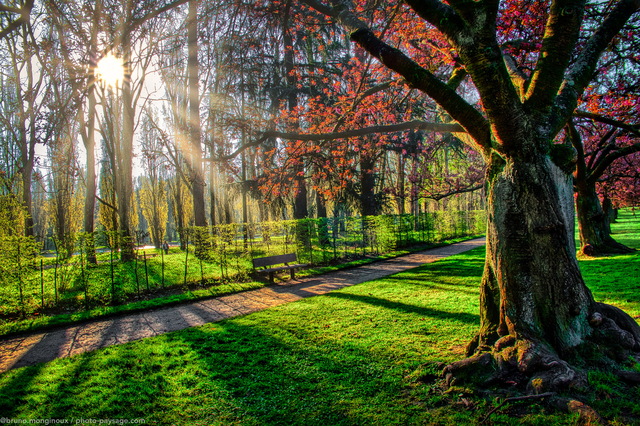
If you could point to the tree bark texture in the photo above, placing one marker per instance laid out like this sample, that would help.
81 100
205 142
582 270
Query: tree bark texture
536 311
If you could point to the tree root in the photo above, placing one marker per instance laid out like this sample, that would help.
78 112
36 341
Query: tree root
588 416
515 399
533 366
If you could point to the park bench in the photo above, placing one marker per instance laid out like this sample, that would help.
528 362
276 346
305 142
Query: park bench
268 263
141 256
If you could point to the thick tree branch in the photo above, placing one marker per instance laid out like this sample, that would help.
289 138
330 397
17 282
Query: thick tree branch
519 78
440 15
10 9
631 128
408 125
23 17
460 110
561 34
605 161
457 77
581 73
470 29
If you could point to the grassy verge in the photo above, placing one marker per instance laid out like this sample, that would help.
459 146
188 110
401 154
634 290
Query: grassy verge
177 294
366 355
616 279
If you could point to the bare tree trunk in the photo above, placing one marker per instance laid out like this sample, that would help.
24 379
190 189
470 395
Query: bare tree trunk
90 191
124 159
369 203
197 176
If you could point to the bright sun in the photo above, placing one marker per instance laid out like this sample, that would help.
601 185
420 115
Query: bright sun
110 69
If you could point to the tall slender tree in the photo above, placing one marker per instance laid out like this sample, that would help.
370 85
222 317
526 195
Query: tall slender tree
193 84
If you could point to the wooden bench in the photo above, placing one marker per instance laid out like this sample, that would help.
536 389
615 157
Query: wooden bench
268 263
141 256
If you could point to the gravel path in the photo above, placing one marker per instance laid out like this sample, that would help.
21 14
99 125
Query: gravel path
66 341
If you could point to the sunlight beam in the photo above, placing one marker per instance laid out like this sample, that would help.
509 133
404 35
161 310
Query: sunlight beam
110 70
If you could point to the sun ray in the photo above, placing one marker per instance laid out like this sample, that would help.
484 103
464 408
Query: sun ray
110 70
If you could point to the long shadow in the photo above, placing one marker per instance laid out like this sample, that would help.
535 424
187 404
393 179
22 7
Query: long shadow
233 372
237 376
617 269
411 309
55 340
467 268
442 283
78 388
14 386
271 382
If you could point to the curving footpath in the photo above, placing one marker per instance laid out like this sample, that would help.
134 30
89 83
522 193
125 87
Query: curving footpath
69 340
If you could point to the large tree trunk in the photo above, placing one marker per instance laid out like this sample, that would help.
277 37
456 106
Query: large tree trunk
536 311
539 322
593 224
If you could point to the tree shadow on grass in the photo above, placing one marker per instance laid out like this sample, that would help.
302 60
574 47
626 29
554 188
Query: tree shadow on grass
87 385
411 309
458 268
449 286
250 370
269 381
621 284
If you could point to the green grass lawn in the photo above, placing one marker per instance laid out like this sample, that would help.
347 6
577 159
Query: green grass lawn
369 354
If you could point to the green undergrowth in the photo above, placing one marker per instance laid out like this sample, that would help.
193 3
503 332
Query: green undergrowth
369 354
180 294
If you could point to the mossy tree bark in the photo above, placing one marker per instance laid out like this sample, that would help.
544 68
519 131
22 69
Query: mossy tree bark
536 311
537 315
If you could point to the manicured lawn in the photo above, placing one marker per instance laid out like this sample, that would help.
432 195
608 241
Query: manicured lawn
616 279
370 354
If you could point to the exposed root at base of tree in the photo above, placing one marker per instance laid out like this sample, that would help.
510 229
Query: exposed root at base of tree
515 399
586 414
530 366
